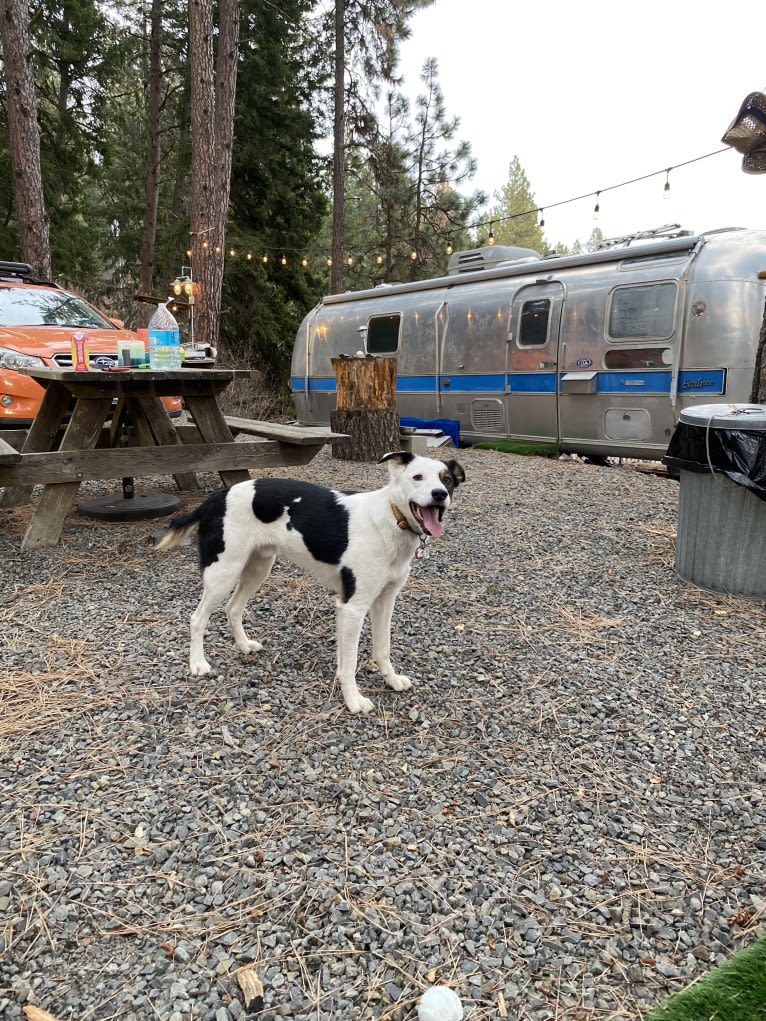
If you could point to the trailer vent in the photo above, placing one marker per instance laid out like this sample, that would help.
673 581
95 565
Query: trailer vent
489 257
488 416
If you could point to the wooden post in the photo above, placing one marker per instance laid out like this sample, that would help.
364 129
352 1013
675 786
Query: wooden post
365 408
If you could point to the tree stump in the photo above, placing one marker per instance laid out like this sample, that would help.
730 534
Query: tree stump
365 408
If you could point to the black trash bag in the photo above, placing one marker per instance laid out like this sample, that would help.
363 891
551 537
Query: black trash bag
738 454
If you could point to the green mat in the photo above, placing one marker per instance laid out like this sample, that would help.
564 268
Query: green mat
732 991
527 449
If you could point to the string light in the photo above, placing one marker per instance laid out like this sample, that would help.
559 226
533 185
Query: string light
478 224
283 260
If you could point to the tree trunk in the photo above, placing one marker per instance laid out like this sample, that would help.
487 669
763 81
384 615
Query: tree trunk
212 133
24 137
223 135
154 153
365 408
339 140
758 394
207 241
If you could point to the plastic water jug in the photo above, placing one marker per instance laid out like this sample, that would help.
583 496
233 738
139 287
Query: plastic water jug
164 340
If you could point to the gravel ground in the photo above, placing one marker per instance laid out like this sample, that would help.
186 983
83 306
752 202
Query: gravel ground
563 819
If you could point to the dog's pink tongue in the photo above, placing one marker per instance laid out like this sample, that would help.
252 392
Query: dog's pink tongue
431 521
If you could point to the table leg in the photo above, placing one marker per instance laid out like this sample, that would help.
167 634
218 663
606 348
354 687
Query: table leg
41 437
82 433
156 427
213 429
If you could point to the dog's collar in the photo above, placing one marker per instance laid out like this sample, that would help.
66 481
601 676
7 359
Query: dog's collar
402 521
422 551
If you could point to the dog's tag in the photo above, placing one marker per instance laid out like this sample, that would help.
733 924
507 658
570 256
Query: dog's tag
421 553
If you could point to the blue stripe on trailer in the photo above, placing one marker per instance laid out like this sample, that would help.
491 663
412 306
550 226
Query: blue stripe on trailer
707 381
653 381
532 382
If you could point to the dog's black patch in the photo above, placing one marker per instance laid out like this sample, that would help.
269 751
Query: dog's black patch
453 476
211 515
313 511
348 580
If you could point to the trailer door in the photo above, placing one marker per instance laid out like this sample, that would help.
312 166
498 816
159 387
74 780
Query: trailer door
532 362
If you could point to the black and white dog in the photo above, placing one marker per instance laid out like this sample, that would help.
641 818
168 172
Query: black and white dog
360 545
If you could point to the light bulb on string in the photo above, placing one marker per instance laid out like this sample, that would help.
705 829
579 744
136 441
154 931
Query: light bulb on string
449 249
541 224
666 189
597 207
491 237
232 252
350 260
413 254
264 258
328 260
249 257
283 260
379 260
304 262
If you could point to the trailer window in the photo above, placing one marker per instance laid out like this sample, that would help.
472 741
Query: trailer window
533 322
638 358
383 334
644 311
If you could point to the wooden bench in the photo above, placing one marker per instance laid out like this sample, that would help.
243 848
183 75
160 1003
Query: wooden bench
284 433
8 454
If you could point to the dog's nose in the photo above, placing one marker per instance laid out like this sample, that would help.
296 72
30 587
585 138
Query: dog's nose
439 495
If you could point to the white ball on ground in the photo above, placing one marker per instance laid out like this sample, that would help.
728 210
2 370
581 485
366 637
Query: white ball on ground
439 1003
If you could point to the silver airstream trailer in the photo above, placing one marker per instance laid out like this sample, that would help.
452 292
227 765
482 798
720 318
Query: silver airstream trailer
598 353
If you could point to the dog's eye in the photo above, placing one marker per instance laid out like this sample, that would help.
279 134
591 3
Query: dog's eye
417 478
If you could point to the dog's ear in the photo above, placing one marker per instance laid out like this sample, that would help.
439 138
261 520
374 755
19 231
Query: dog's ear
456 471
400 458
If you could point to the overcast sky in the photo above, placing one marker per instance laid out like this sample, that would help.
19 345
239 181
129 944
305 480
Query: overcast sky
591 93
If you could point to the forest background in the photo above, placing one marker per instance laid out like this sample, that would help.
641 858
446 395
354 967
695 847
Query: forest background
265 147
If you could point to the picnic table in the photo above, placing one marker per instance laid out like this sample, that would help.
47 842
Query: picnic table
79 435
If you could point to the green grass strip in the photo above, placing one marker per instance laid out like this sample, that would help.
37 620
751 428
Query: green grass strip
526 449
732 991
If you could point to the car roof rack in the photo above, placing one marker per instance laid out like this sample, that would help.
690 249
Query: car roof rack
19 271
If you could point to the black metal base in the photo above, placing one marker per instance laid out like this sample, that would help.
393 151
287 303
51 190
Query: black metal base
137 508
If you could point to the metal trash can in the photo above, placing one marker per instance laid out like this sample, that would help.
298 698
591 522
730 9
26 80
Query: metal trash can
719 451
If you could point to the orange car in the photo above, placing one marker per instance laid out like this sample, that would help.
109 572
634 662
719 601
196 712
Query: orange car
37 320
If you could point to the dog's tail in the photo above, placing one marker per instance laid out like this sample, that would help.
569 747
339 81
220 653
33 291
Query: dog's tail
179 531
181 528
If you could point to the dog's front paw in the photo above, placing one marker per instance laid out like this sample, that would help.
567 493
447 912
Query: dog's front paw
249 645
399 682
198 667
359 704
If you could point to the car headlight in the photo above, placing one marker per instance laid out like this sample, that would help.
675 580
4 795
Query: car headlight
10 359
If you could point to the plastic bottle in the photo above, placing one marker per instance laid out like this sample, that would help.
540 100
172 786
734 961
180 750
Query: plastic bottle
80 352
164 339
